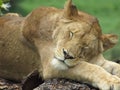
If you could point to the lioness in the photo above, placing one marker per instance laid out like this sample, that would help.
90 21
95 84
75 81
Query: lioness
60 43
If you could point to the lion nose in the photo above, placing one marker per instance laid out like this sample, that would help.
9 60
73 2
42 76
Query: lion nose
66 55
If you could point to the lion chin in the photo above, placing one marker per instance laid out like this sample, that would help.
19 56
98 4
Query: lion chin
59 43
59 64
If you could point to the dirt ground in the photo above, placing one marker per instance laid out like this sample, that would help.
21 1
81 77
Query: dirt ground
54 84
9 85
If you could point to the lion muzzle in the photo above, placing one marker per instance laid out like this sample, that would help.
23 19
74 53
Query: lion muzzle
67 55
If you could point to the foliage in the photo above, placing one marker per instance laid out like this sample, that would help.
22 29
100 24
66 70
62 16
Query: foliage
4 4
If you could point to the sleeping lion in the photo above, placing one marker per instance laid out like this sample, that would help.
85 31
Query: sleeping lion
59 43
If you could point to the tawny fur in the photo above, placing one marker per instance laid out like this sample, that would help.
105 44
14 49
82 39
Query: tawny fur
39 40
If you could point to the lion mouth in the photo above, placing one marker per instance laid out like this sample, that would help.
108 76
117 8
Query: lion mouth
63 61
59 59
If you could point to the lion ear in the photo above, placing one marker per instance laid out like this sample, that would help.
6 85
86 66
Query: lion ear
70 10
109 40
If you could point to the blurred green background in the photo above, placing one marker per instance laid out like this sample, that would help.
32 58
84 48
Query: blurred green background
107 11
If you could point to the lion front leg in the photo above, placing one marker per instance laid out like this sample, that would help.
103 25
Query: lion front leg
94 75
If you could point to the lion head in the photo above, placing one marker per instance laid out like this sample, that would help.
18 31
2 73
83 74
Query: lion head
79 37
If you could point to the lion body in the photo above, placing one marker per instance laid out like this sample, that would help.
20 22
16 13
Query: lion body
14 54
58 43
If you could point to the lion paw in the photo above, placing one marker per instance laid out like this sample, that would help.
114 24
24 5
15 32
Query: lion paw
112 84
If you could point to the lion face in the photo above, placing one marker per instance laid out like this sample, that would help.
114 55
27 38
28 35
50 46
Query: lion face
76 41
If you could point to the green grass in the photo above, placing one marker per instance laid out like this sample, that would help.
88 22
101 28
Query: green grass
107 11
